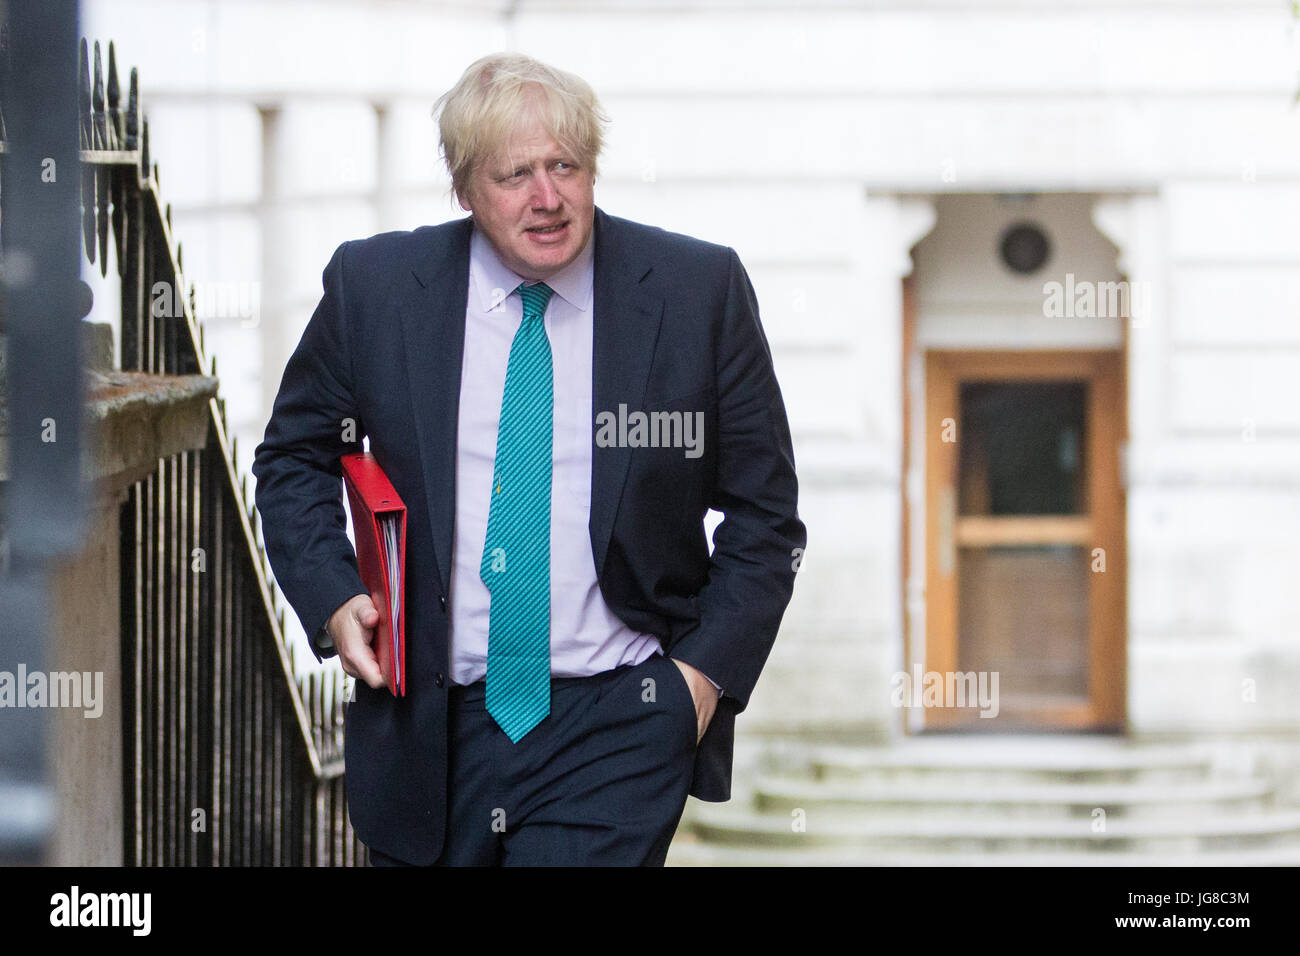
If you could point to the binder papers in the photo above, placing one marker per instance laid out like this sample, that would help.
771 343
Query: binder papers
393 561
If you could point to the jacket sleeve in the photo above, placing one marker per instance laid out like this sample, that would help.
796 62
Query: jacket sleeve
299 489
757 544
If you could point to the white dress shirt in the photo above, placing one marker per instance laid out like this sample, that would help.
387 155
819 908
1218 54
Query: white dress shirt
586 636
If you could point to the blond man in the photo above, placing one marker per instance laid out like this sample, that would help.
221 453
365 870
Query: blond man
559 395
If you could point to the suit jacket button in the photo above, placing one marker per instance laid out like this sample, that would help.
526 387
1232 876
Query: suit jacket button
438 680
442 603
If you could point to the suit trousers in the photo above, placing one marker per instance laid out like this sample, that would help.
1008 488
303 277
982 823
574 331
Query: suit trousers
601 781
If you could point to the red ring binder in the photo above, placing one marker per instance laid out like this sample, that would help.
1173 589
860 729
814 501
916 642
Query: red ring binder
379 523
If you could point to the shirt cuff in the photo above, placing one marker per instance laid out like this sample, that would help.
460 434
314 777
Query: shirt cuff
323 639
710 680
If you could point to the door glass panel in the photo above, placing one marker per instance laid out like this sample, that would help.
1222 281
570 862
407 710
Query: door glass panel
1021 448
1023 612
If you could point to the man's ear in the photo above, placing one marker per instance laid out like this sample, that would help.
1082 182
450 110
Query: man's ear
463 196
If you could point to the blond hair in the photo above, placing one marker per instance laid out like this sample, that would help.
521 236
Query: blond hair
478 116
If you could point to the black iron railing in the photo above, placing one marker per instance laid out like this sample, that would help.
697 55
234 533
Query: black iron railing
231 756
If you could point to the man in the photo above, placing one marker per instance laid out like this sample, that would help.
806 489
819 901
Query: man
559 395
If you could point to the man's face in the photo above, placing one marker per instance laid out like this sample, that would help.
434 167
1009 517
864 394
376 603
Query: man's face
534 203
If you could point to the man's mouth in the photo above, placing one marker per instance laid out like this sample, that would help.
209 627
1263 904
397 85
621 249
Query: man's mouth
547 230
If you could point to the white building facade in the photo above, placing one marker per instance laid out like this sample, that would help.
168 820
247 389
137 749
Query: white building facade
869 162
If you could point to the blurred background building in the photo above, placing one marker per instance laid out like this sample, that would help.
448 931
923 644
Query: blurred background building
1031 278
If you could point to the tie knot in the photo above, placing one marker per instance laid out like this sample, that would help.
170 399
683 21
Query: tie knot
535 297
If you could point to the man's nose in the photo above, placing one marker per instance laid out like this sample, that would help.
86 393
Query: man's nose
546 195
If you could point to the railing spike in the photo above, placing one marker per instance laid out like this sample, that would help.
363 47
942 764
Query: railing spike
114 88
133 113
101 209
168 214
117 178
86 136
97 99
119 223
83 95
180 247
144 141
101 179
102 139
88 210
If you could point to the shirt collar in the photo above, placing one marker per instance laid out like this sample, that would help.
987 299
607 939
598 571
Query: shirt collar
573 283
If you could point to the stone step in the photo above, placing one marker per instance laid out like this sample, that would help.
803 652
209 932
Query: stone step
1047 800
990 761
828 829
686 852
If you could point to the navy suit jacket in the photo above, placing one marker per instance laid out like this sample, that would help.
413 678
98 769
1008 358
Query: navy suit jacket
676 328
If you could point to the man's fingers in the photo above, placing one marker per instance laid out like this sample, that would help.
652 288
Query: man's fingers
368 668
355 652
360 661
366 614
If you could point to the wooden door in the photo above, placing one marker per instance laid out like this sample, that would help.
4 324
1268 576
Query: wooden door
1025 537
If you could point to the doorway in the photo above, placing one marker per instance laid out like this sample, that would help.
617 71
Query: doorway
1024 535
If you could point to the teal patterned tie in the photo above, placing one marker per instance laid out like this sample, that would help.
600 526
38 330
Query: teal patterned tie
516 563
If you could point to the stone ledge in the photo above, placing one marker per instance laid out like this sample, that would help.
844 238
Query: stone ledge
133 419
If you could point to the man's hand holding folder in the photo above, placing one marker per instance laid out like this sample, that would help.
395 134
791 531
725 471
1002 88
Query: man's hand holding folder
352 628
378 618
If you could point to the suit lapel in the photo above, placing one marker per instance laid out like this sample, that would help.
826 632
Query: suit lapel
627 318
626 325
433 332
